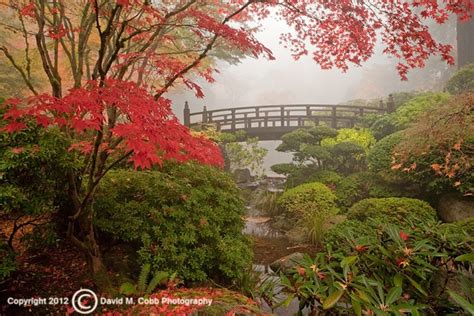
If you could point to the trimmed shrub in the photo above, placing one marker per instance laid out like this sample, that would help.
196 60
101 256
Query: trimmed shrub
380 156
400 211
308 175
187 219
312 204
363 185
462 81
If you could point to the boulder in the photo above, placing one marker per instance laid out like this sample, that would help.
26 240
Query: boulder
243 176
454 207
286 263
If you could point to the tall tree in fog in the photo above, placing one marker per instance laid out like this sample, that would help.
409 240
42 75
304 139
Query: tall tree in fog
465 36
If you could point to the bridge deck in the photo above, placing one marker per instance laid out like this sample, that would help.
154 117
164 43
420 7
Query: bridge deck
270 122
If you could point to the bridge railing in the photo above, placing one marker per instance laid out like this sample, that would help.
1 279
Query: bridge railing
265 116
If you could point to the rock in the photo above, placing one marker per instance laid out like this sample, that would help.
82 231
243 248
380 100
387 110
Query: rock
453 207
242 176
286 263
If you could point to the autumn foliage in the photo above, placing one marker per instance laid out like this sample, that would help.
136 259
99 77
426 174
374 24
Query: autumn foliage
440 144
133 123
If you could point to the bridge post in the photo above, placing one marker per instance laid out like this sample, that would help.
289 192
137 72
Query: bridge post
288 119
381 107
232 124
333 118
390 104
186 115
204 114
308 112
282 110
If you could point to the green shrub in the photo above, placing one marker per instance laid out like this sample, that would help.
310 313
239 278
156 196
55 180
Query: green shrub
380 156
384 268
462 81
307 175
7 261
359 232
266 201
395 210
361 136
411 110
187 219
312 204
363 185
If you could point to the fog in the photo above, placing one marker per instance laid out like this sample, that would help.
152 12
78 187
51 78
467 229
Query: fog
286 81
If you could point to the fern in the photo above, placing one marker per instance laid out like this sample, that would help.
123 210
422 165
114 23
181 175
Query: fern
157 279
143 278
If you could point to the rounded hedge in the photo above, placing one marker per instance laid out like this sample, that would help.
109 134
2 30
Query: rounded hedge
363 185
312 197
185 219
394 210
462 81
380 156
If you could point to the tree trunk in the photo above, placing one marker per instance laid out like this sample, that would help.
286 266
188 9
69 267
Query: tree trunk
465 37
85 240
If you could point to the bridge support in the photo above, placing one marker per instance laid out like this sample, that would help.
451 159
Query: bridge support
186 115
333 117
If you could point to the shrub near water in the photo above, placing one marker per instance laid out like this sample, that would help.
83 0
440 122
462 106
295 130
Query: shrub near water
188 219
313 204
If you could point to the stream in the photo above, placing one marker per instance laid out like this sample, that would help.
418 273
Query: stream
269 246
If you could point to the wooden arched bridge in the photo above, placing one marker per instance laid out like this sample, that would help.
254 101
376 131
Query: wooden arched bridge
270 122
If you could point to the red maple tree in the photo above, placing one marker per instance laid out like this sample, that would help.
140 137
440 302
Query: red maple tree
103 52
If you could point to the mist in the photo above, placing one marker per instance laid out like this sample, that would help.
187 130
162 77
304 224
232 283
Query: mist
286 81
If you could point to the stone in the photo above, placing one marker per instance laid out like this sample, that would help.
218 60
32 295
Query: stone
286 263
243 175
454 207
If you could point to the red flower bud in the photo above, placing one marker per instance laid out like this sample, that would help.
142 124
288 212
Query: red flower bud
360 248
404 235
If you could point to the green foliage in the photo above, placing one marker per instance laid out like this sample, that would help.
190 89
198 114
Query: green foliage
315 153
307 175
7 261
383 268
405 114
462 80
284 168
267 202
31 170
396 210
292 141
313 204
411 110
324 148
347 157
383 126
187 219
380 156
32 181
147 282
362 137
246 154
363 185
